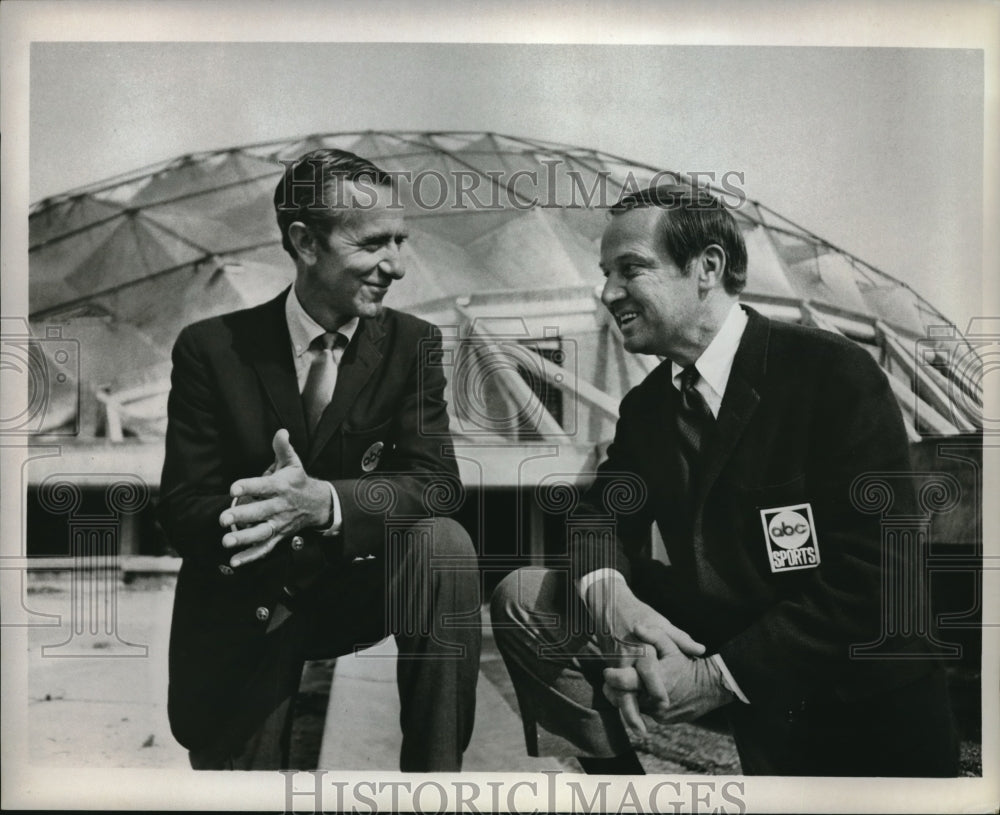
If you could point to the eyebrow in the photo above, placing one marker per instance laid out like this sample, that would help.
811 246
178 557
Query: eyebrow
628 255
385 235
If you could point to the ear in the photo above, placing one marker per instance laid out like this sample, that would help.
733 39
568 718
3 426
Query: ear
304 241
711 264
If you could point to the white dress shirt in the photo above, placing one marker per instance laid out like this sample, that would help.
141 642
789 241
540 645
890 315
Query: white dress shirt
303 329
716 362
714 367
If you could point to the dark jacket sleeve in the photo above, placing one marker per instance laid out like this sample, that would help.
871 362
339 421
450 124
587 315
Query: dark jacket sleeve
802 642
194 489
616 504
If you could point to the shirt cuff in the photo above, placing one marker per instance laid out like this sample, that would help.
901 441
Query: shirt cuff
336 514
587 580
728 680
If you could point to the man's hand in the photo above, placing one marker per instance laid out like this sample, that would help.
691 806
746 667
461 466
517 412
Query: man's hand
281 502
632 636
695 687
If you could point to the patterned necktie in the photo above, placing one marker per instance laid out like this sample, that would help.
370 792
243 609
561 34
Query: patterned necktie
694 420
322 377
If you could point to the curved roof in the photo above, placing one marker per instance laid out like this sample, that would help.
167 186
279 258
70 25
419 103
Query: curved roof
504 244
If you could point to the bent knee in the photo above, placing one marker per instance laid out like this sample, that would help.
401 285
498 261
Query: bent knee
451 539
516 596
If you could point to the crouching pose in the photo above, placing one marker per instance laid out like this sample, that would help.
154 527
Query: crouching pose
340 404
744 443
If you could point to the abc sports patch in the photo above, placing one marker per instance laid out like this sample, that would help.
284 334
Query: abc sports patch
790 536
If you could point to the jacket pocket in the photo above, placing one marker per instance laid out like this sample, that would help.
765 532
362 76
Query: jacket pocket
768 496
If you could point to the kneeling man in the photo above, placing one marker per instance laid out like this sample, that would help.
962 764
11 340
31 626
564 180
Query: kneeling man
746 441
339 402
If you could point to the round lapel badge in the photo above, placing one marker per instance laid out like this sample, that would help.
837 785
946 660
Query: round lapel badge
369 461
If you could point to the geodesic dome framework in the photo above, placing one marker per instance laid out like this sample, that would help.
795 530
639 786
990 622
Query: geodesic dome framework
503 255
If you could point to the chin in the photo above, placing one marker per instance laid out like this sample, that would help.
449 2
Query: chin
634 345
369 309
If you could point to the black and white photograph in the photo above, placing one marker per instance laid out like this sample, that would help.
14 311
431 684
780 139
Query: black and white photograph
500 407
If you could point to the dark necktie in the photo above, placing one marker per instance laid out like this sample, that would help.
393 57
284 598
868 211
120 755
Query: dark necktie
694 420
322 377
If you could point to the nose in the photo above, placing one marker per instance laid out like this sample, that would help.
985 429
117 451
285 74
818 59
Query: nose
392 262
611 292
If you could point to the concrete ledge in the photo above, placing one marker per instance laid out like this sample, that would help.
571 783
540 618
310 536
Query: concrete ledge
132 564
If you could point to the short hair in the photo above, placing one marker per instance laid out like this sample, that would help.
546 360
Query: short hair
309 185
693 219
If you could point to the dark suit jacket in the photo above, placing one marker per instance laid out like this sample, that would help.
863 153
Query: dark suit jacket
804 413
233 386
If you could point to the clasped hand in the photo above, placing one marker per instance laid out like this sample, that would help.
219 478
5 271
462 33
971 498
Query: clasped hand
281 502
694 686
654 667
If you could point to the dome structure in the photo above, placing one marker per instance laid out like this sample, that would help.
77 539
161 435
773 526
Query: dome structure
502 255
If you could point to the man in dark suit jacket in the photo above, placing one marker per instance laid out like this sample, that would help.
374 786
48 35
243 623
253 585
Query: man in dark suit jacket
304 437
744 444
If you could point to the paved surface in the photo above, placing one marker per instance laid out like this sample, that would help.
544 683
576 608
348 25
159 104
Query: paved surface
99 699
363 700
95 701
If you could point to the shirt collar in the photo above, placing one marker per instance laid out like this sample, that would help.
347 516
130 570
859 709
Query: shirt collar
716 361
303 329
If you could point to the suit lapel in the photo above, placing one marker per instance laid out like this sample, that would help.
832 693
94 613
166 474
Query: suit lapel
273 362
740 400
359 362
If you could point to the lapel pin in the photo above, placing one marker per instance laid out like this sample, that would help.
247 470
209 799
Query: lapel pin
369 461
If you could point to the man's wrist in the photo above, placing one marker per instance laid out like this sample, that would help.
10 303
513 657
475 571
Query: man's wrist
717 683
587 580
332 522
728 680
606 597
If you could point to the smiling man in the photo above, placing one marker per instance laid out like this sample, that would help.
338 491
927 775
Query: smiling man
279 418
746 441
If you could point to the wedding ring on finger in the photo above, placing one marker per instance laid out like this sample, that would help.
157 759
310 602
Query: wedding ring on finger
234 528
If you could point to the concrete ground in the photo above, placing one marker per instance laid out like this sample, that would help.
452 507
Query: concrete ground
108 707
98 699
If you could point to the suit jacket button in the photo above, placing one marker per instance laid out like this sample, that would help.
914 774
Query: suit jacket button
225 569
263 613
297 543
